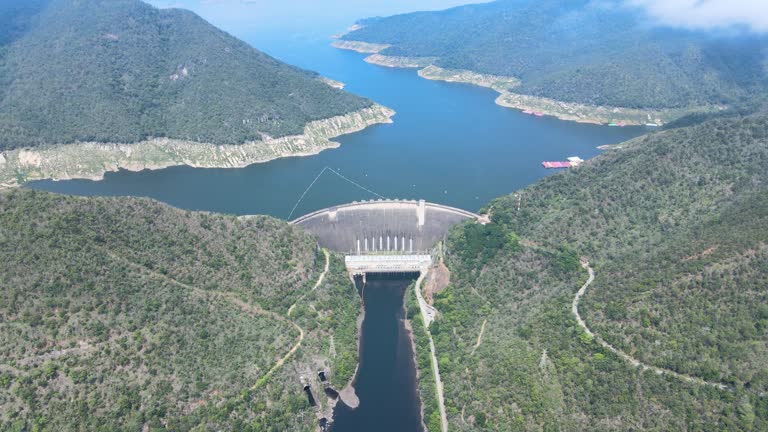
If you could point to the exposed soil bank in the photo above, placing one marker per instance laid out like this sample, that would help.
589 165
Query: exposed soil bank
534 105
91 160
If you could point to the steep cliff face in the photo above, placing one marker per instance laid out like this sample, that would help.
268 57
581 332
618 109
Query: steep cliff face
91 160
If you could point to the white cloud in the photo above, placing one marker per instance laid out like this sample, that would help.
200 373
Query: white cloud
708 14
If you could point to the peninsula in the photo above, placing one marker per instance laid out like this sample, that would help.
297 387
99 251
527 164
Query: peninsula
94 86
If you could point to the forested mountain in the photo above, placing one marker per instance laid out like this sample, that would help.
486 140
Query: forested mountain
583 51
674 225
125 314
123 71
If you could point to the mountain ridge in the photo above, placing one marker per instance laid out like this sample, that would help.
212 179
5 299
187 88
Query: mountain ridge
124 71
580 52
673 224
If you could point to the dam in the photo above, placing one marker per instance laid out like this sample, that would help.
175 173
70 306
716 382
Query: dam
384 236
388 244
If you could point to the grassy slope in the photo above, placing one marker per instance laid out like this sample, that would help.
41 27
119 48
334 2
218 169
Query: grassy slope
647 216
123 71
580 51
119 314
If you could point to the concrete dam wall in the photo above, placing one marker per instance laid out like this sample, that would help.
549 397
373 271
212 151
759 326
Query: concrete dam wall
396 226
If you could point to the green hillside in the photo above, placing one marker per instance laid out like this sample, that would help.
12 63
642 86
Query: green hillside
123 71
674 226
596 53
125 314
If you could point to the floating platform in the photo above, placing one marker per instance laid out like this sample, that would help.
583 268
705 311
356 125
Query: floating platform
557 164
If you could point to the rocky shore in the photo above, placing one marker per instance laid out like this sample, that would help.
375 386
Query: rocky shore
361 47
533 105
400 62
90 160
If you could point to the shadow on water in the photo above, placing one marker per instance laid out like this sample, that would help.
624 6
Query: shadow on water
386 379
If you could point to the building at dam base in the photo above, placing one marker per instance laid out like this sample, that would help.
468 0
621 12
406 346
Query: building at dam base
358 265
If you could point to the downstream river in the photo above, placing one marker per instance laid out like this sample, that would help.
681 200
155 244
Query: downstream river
386 379
449 144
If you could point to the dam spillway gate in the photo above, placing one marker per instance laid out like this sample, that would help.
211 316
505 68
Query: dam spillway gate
384 236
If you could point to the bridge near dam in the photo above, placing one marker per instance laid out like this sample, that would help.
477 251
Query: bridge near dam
384 236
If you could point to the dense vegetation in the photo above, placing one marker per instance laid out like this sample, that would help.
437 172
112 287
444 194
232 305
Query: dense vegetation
125 314
598 53
328 315
426 387
123 71
674 225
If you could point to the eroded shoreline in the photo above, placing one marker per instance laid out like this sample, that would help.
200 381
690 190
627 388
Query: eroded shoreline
533 105
91 160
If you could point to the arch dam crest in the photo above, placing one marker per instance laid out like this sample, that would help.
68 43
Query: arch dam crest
384 236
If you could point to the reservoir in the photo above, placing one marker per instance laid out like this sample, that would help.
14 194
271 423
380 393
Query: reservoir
449 144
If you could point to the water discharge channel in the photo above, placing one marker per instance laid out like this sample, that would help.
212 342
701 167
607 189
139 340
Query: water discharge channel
386 379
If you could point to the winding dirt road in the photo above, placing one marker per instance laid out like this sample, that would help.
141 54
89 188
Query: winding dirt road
479 337
250 308
428 314
631 360
296 347
319 280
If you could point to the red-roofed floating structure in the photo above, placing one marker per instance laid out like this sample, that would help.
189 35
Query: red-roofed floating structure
557 164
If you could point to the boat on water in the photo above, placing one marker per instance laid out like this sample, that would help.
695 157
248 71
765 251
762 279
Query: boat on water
573 161
557 164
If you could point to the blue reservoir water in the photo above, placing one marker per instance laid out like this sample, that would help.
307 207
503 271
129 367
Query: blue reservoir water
449 143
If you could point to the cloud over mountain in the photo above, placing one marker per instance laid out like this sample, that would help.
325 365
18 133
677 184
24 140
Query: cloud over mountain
708 14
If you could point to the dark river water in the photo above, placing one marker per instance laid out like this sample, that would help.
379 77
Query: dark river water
449 144
386 380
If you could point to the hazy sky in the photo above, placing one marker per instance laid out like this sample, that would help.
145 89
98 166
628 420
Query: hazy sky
313 18
300 16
